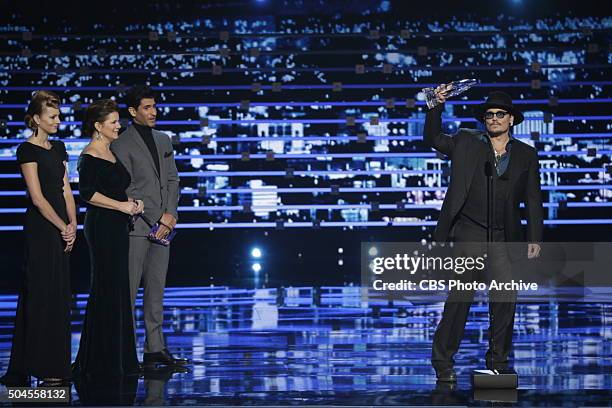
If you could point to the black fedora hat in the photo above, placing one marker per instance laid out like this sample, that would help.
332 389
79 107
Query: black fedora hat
500 100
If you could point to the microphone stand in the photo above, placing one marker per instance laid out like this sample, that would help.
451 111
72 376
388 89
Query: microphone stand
489 174
503 380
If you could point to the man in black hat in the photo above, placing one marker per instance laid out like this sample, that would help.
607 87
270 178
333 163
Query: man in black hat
483 161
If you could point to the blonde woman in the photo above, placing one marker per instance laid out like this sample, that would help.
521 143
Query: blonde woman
41 341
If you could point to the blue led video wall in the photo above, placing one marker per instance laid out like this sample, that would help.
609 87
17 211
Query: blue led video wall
317 122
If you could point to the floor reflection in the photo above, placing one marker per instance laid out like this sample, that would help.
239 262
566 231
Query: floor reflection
326 346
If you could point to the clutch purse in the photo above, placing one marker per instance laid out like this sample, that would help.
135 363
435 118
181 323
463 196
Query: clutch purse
163 241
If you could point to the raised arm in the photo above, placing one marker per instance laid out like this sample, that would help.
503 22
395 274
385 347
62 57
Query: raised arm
433 135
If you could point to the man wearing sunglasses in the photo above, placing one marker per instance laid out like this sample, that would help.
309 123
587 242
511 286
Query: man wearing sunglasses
509 168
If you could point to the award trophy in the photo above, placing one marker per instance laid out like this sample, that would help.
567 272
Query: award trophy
455 88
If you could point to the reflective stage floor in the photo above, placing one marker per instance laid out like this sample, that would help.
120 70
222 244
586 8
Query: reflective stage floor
305 346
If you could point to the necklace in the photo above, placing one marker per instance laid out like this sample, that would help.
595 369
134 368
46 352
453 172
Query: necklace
497 160
496 157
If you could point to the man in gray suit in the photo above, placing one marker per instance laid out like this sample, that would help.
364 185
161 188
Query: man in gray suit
148 156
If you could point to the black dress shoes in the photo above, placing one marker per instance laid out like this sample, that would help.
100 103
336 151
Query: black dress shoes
498 367
151 360
15 380
164 373
53 382
446 375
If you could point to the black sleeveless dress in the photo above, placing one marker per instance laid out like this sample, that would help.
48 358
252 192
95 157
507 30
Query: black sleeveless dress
107 348
41 340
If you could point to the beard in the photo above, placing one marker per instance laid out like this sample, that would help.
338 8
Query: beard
498 132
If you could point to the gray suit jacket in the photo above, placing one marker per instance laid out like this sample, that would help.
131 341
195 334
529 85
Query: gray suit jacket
160 192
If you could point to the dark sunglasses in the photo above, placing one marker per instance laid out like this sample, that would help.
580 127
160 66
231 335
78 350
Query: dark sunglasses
498 114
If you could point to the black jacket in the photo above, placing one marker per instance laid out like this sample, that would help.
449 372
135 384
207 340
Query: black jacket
523 172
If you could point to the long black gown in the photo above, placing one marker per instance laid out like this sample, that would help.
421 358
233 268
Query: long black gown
107 347
41 340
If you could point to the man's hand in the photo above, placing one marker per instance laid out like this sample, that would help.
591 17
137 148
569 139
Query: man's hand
533 251
168 220
166 224
442 91
162 232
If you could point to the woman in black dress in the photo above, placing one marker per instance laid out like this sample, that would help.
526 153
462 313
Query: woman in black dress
41 340
108 348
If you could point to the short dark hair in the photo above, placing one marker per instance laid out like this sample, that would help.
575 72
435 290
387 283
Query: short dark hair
98 111
40 100
137 93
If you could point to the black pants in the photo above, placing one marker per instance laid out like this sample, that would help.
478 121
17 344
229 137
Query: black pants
502 304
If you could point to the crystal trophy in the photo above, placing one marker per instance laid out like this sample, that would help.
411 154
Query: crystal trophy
455 88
